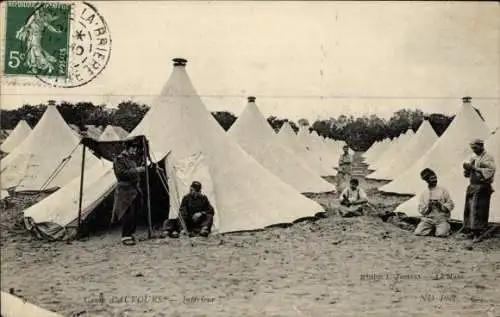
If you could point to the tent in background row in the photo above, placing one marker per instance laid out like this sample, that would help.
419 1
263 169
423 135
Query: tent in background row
112 133
313 152
39 158
408 154
16 137
289 139
378 151
254 134
450 150
394 150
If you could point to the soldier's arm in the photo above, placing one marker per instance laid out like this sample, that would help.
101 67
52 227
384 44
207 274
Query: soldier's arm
447 203
207 206
423 205
183 207
122 172
363 198
487 167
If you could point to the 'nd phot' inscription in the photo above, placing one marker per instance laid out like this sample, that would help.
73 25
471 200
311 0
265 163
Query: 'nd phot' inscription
410 276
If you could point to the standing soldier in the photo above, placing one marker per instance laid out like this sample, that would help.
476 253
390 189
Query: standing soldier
128 194
345 169
480 171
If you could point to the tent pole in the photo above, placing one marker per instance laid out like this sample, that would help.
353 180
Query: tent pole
145 150
81 189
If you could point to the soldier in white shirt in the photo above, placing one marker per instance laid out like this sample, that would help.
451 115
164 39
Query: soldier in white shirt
352 200
435 206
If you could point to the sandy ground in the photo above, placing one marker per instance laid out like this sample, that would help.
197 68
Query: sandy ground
330 267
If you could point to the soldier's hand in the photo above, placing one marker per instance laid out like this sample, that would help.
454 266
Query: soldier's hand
196 216
140 169
467 166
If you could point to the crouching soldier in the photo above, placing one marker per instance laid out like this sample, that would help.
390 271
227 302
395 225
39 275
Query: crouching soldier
435 206
196 212
352 200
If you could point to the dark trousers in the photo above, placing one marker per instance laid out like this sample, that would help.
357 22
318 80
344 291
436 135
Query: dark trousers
206 220
477 207
129 219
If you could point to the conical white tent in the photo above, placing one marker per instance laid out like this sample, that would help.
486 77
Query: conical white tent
20 132
451 149
456 184
92 131
393 151
112 133
314 152
408 154
56 217
256 137
122 133
289 139
378 151
245 195
50 146
336 147
327 153
373 148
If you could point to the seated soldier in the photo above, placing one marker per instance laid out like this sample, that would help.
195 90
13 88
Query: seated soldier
196 211
435 206
352 200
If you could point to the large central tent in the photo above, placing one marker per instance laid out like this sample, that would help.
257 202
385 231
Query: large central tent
48 158
16 137
245 195
256 137
450 150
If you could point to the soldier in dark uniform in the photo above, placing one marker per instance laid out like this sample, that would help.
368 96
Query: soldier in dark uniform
196 212
128 194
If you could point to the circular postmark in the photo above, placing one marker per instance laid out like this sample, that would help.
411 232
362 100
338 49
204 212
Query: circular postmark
89 47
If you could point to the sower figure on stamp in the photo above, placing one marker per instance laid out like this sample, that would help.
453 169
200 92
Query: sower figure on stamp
31 34
128 194
196 212
480 171
345 169
435 207
352 200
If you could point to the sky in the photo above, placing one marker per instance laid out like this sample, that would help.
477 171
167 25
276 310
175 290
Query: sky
300 59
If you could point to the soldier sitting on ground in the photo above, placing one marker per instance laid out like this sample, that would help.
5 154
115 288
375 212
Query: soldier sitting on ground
352 200
196 212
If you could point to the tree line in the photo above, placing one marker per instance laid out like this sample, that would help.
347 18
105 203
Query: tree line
358 132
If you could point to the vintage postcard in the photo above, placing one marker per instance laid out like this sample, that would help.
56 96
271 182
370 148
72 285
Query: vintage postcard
249 158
